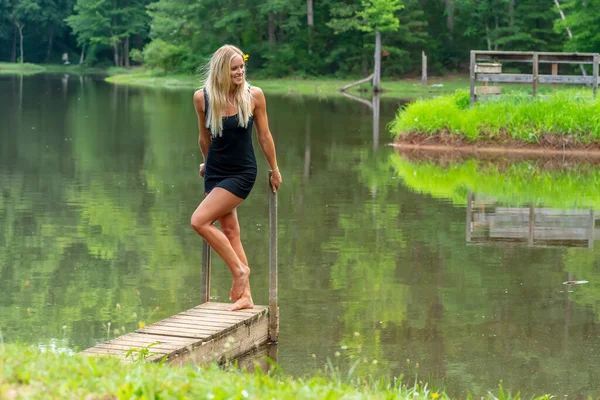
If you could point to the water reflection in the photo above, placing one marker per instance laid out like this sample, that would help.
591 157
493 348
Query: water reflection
491 223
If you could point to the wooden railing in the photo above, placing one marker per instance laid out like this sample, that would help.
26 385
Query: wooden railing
486 67
273 277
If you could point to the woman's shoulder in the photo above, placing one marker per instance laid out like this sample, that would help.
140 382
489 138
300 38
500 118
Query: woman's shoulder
199 98
257 94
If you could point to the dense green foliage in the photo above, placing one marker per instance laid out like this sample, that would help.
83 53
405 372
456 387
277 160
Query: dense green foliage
296 37
513 116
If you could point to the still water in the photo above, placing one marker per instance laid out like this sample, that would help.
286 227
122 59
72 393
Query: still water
446 271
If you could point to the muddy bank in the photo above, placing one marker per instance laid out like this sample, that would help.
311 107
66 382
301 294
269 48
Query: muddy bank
499 146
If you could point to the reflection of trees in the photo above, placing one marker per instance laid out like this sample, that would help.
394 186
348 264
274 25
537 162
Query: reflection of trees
475 315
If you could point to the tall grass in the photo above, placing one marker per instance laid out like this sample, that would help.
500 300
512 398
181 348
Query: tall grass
29 374
517 115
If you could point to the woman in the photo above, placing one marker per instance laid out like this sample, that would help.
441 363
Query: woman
227 108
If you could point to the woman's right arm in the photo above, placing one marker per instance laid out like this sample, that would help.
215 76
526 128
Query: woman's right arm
204 137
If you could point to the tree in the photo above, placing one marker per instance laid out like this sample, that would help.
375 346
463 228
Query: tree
23 13
373 16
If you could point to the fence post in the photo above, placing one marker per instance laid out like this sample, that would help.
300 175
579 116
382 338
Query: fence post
536 65
205 272
472 77
595 83
273 306
423 69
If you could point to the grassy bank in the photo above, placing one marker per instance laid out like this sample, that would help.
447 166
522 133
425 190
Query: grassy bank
31 69
27 373
514 183
311 87
16 68
565 117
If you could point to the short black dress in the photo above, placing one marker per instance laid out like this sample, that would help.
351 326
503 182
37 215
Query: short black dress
231 163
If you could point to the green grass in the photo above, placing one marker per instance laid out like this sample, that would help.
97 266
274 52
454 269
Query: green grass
515 184
313 87
568 113
27 373
17 68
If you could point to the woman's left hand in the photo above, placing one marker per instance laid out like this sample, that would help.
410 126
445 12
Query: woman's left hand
275 180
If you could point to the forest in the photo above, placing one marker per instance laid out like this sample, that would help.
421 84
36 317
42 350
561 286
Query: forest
301 38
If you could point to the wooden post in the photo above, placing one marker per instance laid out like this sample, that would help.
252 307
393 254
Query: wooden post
423 69
472 78
469 214
595 83
205 272
273 306
531 224
592 228
554 72
535 73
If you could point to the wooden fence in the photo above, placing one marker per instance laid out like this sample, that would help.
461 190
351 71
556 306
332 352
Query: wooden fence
486 66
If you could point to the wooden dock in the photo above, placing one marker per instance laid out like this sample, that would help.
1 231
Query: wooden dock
201 334
208 332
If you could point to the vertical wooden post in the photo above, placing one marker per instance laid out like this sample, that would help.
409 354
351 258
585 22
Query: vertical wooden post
595 83
554 73
423 69
273 306
469 215
536 65
205 272
592 228
531 224
472 77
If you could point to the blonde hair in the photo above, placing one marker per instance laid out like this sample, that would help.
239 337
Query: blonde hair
217 83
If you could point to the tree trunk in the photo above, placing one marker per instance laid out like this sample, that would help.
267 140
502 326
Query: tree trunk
562 16
496 34
272 40
50 41
20 27
487 37
126 51
511 13
116 53
13 55
450 15
377 71
311 23
82 56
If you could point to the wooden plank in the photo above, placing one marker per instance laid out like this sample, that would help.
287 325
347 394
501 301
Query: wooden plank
528 78
225 307
209 322
193 326
186 328
167 331
489 68
554 73
487 90
152 338
543 57
104 352
135 344
218 315
125 348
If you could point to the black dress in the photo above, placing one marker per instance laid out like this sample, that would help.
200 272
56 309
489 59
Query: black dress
231 163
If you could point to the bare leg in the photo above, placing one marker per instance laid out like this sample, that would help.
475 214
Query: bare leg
231 228
218 203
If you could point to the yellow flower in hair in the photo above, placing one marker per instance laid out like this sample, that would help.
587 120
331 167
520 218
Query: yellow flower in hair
246 56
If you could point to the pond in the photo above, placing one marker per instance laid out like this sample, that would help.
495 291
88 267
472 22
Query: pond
448 270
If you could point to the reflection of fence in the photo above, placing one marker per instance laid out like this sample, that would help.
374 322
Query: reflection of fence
493 72
530 226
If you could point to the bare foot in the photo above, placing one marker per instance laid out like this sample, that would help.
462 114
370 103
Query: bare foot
245 302
241 283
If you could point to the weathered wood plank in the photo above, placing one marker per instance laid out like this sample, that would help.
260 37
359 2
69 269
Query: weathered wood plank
225 307
177 332
225 315
125 348
153 338
543 57
528 78
199 319
214 317
487 90
490 68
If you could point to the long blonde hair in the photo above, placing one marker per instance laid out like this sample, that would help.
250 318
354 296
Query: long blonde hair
218 84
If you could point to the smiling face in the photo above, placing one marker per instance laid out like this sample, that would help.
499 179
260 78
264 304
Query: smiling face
237 70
